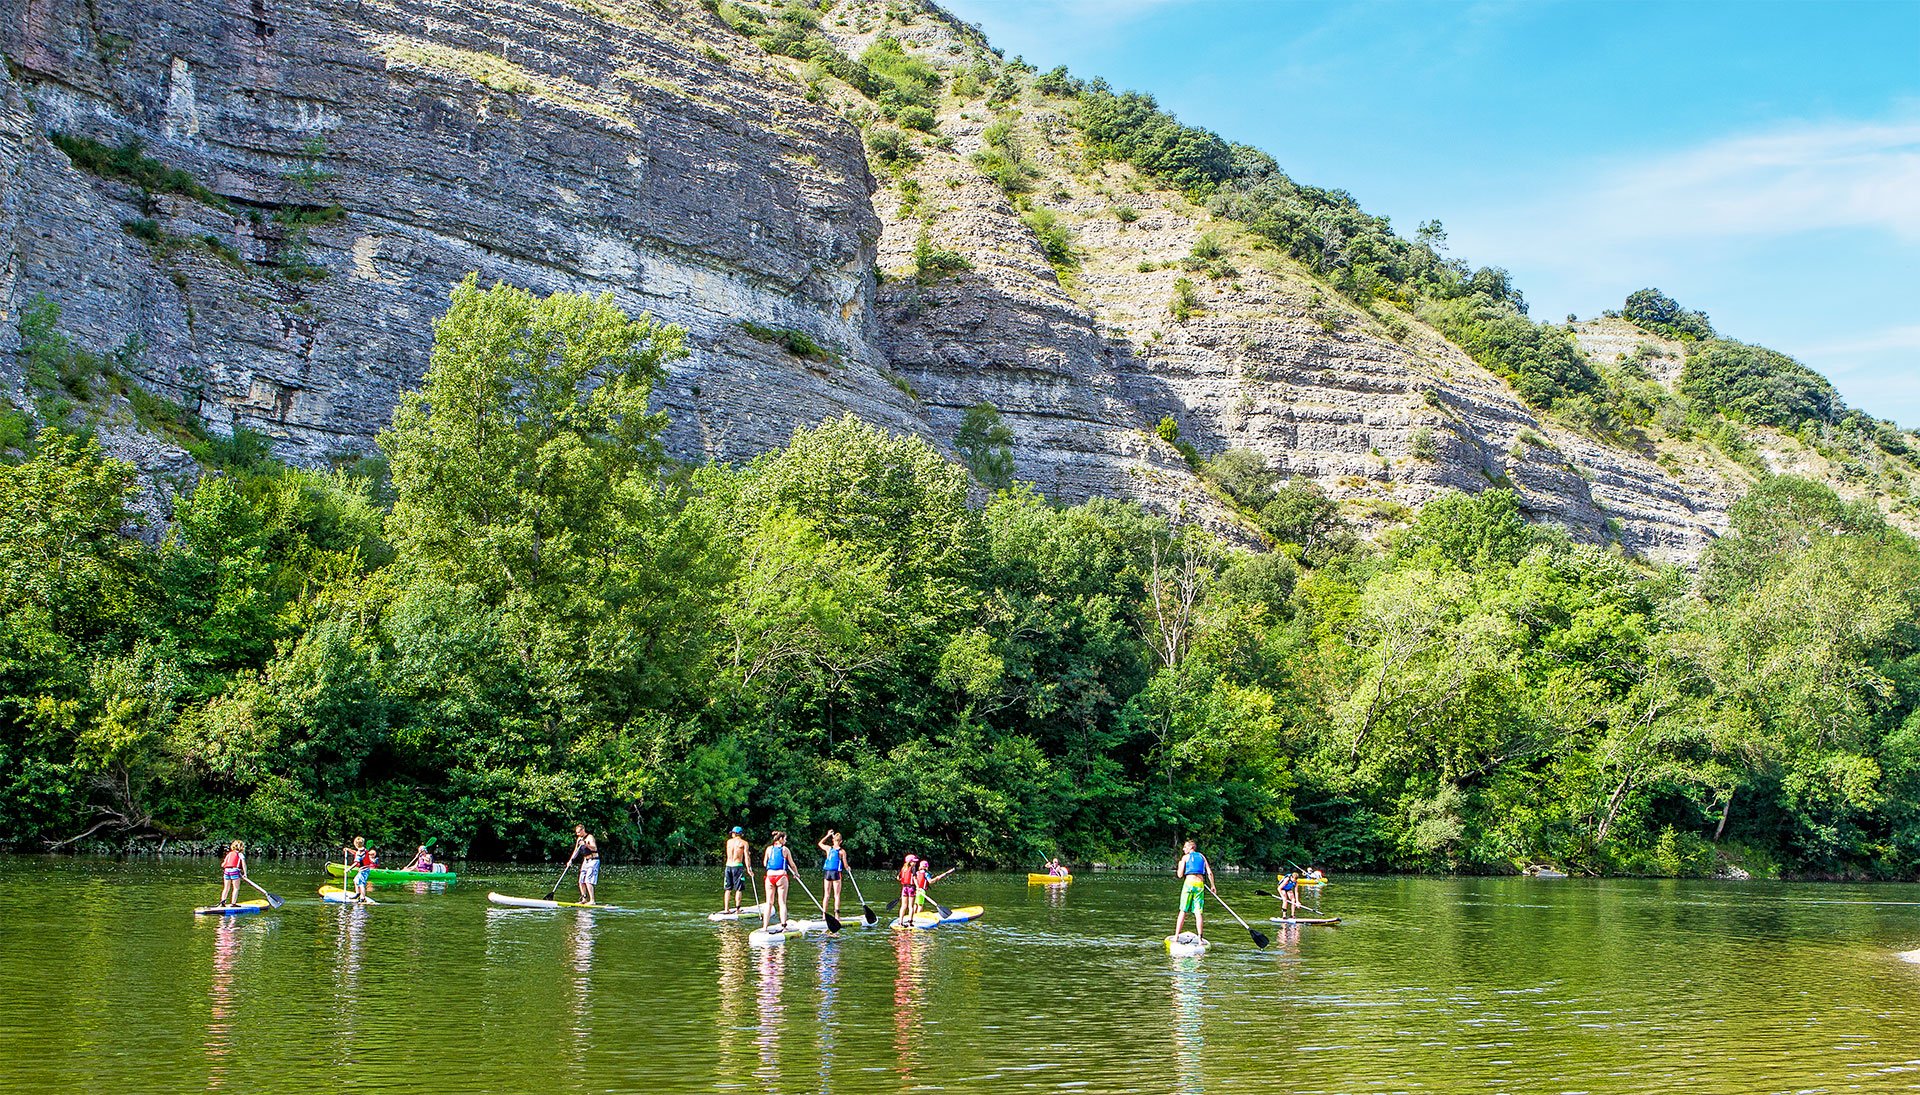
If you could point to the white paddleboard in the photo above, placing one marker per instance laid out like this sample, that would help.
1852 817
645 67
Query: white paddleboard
762 937
342 897
1186 945
735 914
539 903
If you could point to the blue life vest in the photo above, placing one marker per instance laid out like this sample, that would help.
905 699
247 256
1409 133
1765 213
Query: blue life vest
1193 863
833 860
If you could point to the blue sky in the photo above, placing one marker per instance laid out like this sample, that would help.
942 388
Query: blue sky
1757 161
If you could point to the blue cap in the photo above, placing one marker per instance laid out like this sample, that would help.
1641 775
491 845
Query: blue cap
738 829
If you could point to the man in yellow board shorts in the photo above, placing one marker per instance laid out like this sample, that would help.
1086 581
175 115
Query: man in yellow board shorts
1196 878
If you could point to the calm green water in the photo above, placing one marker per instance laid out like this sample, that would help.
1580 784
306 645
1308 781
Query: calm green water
108 984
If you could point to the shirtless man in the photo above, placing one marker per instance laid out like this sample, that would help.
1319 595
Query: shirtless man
739 871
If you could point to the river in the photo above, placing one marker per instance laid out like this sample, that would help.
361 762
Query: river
109 984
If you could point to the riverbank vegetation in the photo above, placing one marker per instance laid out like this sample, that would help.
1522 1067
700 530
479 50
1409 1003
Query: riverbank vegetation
524 615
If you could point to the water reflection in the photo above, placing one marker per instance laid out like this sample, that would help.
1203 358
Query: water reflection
827 1021
734 956
909 993
581 953
1189 1040
773 975
226 948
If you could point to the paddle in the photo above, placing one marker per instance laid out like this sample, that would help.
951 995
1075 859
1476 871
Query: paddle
273 900
833 922
563 873
866 910
944 911
1258 939
1296 903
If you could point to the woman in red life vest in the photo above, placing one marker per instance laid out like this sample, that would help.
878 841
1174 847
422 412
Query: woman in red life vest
233 870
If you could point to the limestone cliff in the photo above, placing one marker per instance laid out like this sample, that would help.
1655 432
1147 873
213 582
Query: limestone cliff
360 156
312 175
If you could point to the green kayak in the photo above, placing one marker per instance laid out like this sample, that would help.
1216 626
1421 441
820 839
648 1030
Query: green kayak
379 875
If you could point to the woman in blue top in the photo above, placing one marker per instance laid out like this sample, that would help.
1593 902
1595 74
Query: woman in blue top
836 865
777 864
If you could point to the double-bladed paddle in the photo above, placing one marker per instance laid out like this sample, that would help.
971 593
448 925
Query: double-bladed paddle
1258 939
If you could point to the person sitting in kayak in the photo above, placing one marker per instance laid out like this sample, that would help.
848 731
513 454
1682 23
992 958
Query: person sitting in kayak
360 863
588 850
1290 895
1196 876
1055 869
233 870
777 863
835 865
739 872
422 860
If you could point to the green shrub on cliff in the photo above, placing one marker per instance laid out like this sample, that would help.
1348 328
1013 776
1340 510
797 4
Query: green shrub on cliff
1757 385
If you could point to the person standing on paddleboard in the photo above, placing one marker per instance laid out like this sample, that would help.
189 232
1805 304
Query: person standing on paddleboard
1290 894
909 875
733 891
588 850
921 883
1196 878
835 865
233 870
777 862
359 867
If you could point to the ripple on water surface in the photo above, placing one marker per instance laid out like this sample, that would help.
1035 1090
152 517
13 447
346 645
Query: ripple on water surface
108 984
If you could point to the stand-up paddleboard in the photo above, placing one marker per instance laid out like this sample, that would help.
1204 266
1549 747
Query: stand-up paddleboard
379 874
735 914
253 906
1187 945
342 897
540 903
1304 919
926 920
793 929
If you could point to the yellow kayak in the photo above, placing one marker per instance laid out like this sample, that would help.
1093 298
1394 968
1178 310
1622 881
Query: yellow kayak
1282 880
1049 879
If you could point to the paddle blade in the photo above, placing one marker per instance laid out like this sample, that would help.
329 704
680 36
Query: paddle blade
833 922
274 900
1264 893
894 904
867 911
1258 939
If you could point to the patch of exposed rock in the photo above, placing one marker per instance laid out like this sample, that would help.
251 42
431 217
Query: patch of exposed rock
617 147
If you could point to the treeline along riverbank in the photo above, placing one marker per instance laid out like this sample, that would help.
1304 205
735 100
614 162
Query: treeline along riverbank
523 615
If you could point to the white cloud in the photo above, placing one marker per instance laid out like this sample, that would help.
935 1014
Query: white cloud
1805 178
1802 178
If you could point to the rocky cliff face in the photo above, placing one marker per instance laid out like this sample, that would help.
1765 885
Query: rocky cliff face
345 162
357 158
